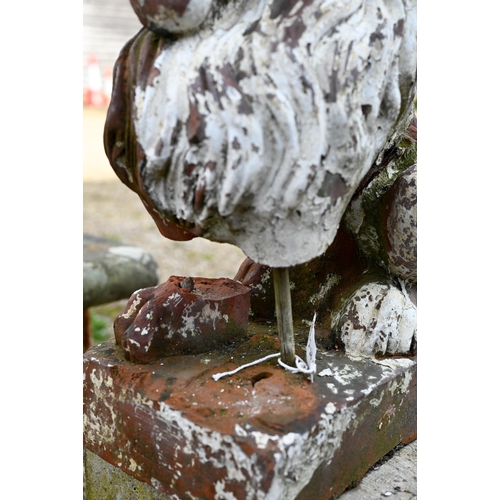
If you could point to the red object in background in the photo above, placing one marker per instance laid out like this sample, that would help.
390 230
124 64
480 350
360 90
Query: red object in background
93 94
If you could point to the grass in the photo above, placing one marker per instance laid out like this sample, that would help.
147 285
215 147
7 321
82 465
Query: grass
100 328
102 318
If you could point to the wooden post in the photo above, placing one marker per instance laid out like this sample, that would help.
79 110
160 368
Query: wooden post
284 314
87 329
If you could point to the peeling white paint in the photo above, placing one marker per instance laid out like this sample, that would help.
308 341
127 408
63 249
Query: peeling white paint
262 439
298 461
223 452
318 107
240 431
394 364
401 386
332 388
168 19
220 492
133 307
209 315
330 408
346 374
297 456
377 318
173 300
95 423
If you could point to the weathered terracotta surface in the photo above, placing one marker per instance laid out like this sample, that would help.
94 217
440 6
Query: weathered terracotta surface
259 278
373 255
382 216
378 319
253 122
260 434
399 219
184 315
171 16
332 286
317 286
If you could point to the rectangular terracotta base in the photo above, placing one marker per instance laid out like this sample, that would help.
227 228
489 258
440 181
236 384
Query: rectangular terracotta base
263 433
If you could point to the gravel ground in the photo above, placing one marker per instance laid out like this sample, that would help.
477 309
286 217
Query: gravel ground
113 211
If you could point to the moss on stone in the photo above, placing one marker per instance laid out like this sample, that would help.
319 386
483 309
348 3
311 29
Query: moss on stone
106 482
368 233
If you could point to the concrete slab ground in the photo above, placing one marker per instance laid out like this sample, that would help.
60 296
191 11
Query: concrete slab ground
394 477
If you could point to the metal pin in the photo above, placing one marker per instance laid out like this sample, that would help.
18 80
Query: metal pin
284 314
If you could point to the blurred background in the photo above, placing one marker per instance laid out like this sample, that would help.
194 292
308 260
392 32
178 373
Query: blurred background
110 209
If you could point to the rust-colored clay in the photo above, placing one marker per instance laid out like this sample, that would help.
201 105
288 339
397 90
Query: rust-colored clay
169 424
183 316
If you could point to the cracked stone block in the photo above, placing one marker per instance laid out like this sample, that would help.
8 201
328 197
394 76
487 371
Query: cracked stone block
184 315
262 433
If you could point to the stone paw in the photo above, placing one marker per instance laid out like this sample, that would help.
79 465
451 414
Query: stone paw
378 319
184 315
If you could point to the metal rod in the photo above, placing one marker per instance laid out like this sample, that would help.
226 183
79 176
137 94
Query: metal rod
284 314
